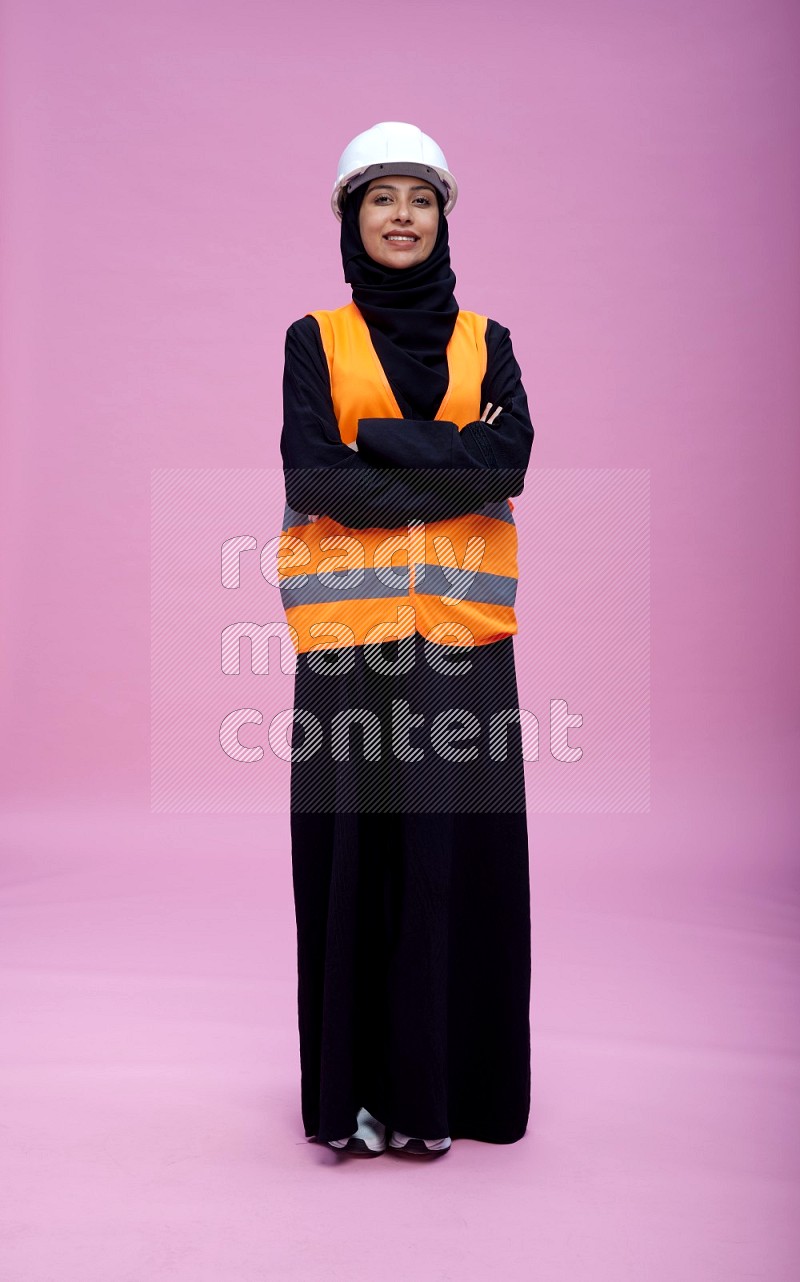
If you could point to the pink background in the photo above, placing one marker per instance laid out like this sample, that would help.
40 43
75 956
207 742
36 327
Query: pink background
629 208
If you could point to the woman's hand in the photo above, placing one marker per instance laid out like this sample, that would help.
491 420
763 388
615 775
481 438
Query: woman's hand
483 417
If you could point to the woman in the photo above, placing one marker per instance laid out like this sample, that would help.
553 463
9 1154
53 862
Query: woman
398 572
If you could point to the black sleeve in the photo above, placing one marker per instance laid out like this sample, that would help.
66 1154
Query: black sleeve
433 477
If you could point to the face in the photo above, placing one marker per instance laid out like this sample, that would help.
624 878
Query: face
398 220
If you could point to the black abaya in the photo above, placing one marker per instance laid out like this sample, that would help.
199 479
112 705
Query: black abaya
413 917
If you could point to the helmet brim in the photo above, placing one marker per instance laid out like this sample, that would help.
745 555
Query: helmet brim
439 178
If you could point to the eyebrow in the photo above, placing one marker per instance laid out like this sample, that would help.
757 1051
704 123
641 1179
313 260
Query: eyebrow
418 187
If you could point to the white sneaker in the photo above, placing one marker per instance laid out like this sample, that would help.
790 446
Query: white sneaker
368 1140
411 1144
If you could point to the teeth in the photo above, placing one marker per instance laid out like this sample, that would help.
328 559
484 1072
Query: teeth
401 238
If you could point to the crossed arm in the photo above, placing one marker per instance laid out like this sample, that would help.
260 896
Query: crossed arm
424 470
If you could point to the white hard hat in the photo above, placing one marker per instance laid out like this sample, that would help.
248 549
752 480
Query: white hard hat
392 147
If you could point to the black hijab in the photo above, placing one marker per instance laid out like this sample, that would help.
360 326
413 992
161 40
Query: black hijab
410 312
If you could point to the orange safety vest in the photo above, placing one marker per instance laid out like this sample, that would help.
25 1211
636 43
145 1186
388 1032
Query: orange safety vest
340 586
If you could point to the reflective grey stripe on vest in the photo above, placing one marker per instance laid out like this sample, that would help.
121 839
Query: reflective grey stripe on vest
344 585
465 585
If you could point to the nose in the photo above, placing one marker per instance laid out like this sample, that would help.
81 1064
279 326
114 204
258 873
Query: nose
403 212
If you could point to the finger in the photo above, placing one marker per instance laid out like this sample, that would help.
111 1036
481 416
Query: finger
499 410
486 409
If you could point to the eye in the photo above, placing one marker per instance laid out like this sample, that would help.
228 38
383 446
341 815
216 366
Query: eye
385 195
